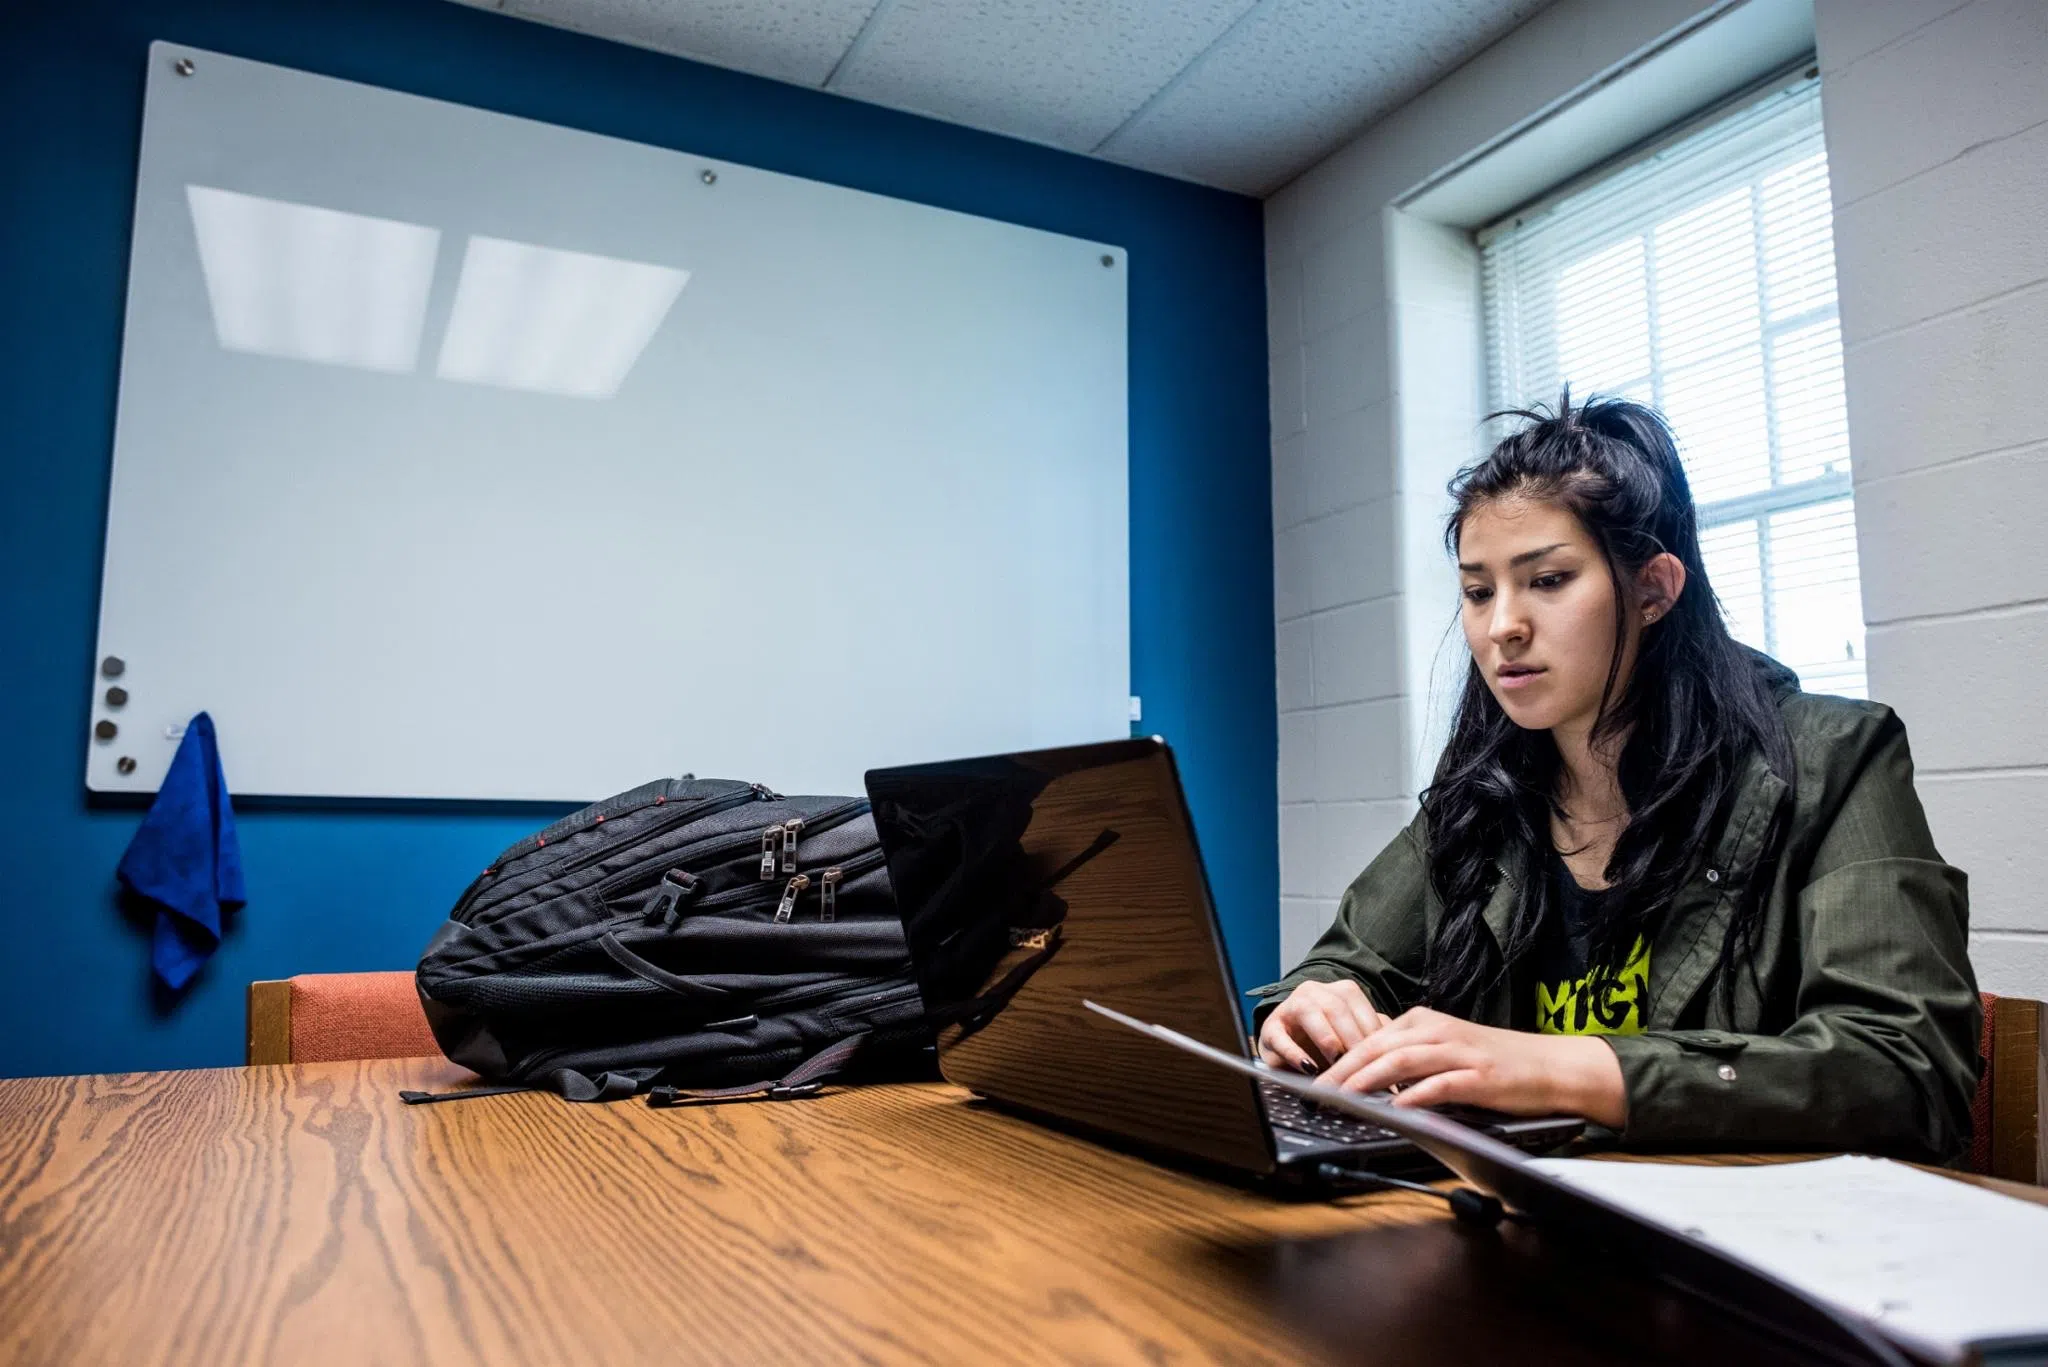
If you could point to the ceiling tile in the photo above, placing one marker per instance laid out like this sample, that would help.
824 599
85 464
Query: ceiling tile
1064 72
1298 78
788 40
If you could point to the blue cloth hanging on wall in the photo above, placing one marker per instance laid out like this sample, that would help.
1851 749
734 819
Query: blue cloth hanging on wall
186 859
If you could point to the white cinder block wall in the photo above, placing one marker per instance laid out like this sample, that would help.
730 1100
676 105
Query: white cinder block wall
1937 120
1348 776
1937 130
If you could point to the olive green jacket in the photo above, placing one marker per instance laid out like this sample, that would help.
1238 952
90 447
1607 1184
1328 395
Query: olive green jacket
1864 1032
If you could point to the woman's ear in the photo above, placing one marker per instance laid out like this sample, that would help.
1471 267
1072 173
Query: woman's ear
1658 586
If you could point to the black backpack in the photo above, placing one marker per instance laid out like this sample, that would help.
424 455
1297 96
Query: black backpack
692 938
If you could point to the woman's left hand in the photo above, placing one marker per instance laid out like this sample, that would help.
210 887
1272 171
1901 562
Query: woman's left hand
1439 1060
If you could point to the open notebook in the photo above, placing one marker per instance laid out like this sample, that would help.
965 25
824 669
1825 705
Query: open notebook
1939 1265
1852 1255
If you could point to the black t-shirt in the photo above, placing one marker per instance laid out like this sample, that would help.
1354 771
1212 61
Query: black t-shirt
1566 1004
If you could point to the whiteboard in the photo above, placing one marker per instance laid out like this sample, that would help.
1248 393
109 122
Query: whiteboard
463 456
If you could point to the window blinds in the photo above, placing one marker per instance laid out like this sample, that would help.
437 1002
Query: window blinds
1701 279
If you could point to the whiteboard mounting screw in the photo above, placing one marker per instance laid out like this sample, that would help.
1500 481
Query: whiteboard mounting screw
126 764
1108 261
183 66
708 176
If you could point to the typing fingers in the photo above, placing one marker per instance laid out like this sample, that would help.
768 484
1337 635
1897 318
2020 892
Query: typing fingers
1397 1067
1314 1027
1362 1015
1317 1024
1389 1034
1459 1085
1279 1049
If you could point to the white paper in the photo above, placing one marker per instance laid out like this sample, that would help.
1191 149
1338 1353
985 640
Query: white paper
1932 1261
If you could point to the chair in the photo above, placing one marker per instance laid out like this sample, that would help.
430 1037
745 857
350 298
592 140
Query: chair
331 1017
2007 1140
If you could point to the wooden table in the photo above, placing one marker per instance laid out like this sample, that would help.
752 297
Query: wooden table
302 1214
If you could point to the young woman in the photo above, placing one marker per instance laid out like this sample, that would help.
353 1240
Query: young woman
1653 883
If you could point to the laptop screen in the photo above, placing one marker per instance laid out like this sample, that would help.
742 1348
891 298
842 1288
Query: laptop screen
1028 882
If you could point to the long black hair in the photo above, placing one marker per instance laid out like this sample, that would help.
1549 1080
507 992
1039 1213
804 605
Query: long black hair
1693 709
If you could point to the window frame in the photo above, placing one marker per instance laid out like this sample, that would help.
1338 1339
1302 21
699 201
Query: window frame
1756 507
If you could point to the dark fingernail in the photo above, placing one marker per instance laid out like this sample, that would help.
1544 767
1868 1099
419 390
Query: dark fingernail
1307 1066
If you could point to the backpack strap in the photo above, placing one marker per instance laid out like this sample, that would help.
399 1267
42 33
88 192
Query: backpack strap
615 1085
412 1098
650 972
566 1083
806 1079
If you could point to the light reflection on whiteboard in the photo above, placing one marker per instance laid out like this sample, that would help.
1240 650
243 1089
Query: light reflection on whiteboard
313 284
557 321
307 283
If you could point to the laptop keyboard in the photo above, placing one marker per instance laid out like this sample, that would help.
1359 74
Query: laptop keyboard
1288 1111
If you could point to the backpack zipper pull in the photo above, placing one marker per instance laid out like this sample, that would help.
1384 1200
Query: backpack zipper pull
828 894
790 829
787 905
770 839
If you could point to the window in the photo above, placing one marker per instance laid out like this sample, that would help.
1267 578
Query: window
1701 278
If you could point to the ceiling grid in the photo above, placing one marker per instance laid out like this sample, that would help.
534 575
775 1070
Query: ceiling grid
1242 95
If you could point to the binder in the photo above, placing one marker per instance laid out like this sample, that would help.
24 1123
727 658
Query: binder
1603 1226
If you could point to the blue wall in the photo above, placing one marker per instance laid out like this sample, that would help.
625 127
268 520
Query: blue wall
347 889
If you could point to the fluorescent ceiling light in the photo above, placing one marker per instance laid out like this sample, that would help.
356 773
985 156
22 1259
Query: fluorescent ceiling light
313 284
556 321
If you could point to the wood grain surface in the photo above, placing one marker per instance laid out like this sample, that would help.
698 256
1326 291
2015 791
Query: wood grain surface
302 1214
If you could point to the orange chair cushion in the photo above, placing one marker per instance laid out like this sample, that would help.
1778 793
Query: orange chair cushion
1980 1105
339 1016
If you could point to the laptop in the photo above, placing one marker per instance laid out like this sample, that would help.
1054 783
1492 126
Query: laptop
1032 882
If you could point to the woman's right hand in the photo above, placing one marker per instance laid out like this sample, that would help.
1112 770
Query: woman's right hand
1315 1024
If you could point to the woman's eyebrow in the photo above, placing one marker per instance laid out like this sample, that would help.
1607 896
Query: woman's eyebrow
1524 558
